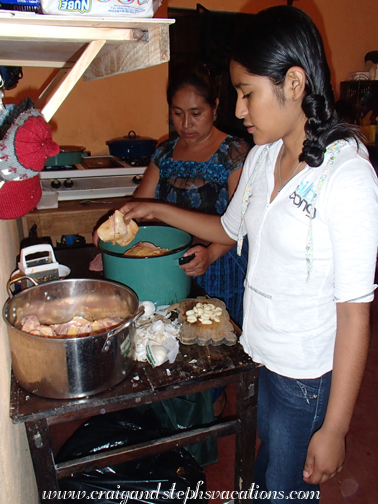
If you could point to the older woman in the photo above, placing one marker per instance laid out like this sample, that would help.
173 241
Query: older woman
200 170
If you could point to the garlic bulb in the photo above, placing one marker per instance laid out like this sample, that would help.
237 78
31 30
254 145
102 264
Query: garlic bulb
149 308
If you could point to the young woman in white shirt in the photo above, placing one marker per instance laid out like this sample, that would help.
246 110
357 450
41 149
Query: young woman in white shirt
308 201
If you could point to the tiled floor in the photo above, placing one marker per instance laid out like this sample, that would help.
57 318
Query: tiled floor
357 482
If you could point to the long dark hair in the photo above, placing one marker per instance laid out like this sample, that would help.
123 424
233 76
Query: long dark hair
279 38
197 76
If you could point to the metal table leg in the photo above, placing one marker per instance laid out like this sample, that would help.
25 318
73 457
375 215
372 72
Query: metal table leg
39 438
245 444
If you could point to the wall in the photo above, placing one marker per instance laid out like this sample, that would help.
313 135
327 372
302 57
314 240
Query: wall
111 108
99 110
349 28
114 106
16 472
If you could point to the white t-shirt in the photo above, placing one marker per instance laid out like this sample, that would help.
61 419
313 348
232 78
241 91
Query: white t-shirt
314 245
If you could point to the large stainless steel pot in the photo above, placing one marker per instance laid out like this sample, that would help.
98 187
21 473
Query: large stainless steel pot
65 368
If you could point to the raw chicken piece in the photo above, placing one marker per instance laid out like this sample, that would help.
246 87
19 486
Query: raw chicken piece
96 263
75 327
31 325
105 324
43 330
78 326
117 231
145 249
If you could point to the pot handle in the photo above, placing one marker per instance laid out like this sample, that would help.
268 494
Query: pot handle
185 260
118 329
11 281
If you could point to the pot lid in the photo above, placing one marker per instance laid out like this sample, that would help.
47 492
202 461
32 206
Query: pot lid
131 137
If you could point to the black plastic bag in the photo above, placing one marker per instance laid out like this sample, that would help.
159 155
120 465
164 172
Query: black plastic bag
168 477
191 410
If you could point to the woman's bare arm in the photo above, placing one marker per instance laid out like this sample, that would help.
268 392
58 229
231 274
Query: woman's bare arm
205 226
233 180
146 189
326 452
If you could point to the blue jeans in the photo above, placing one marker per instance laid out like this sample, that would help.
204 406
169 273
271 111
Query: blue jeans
289 412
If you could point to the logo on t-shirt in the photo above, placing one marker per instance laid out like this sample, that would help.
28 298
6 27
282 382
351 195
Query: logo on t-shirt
302 198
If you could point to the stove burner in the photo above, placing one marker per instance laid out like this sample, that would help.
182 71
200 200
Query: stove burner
138 161
94 162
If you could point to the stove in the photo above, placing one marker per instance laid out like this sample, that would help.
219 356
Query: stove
94 177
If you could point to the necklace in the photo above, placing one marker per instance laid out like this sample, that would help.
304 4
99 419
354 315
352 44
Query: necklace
279 169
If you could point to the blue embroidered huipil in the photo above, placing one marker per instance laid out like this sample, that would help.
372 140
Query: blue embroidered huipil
203 186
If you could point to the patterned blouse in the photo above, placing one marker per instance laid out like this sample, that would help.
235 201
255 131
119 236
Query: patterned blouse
205 182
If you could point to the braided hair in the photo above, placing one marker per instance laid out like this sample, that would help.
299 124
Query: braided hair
279 38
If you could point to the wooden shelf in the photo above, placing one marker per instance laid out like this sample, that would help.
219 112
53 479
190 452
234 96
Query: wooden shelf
91 47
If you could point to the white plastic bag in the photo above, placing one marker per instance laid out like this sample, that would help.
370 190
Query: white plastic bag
155 338
158 354
103 8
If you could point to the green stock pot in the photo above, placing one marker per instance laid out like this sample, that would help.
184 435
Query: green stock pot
158 279
68 155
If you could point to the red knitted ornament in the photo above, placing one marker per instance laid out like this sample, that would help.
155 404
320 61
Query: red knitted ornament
23 152
19 198
33 143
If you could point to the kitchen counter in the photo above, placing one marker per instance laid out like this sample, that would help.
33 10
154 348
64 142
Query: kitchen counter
71 217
